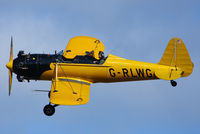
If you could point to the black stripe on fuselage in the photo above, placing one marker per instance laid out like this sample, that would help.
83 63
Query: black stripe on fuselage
31 66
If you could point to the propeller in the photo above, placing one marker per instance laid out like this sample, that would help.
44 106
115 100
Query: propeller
9 65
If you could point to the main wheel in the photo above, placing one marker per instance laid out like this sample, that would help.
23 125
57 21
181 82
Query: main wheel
49 110
173 83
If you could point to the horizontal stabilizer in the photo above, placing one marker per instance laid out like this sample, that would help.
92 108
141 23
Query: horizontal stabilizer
169 73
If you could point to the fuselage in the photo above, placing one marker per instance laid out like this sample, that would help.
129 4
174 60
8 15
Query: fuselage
113 68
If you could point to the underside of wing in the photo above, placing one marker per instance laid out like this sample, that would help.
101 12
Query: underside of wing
86 45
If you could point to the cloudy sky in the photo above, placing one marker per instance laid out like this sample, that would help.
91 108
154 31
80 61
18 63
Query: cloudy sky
133 29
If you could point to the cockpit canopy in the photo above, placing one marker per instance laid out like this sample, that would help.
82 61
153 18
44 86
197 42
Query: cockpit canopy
83 45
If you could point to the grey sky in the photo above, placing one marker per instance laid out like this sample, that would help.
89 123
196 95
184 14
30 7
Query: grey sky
133 29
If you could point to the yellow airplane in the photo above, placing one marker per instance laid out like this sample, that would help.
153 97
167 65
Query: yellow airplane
83 63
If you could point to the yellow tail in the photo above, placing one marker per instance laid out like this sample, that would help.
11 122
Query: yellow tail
176 56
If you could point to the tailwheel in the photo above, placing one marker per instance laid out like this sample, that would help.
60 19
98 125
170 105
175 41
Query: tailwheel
49 110
173 83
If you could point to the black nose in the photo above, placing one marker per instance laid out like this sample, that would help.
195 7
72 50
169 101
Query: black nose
16 65
19 66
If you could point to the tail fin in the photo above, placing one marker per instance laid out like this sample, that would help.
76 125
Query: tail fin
176 55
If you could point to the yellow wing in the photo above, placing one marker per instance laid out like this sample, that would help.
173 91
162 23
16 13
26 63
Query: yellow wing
65 91
69 91
83 45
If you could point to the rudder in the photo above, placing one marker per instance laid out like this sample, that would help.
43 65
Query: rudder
176 55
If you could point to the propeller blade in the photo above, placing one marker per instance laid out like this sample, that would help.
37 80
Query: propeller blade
11 50
10 81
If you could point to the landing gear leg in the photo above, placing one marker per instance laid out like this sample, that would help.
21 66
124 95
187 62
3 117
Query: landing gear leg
49 109
173 83
49 94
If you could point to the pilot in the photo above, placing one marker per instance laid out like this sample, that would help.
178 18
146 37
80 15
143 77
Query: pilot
101 57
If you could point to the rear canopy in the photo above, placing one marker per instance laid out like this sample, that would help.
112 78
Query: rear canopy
83 45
